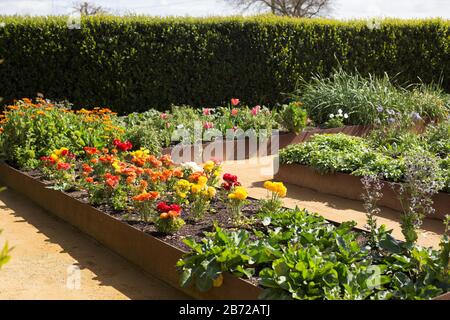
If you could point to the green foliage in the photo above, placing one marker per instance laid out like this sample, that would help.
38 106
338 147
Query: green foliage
298 255
32 130
365 98
362 157
4 254
293 117
133 63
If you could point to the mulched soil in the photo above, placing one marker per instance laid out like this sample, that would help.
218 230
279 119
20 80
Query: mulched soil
218 214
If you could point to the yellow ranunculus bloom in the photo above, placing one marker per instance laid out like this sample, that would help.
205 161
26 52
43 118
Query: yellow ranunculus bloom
202 180
240 193
208 166
276 187
211 192
196 188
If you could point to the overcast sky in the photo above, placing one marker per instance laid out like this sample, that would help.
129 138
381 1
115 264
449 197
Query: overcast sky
341 8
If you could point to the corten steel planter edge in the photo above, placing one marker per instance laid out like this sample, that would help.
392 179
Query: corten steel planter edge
151 254
350 187
228 149
134 245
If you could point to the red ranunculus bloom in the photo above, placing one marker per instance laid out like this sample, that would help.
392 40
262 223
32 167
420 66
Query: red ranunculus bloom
228 177
122 146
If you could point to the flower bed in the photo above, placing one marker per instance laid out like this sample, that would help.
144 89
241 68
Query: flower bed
248 238
350 187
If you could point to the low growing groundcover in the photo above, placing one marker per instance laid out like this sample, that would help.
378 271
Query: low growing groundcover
367 156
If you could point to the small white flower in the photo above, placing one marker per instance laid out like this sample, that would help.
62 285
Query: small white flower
345 116
331 115
194 167
340 111
180 126
2 24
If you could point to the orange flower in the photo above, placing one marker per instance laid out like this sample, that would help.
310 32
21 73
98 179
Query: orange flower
194 176
111 180
131 179
94 161
143 184
90 150
177 173
166 160
146 196
89 180
87 168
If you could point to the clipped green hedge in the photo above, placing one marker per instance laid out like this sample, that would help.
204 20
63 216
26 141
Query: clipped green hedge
133 63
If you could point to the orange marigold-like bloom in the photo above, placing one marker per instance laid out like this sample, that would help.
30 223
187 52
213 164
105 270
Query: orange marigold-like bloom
87 168
177 173
194 176
166 160
146 196
89 180
90 150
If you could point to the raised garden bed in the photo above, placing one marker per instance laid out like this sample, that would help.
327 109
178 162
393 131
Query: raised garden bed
350 187
154 255
242 149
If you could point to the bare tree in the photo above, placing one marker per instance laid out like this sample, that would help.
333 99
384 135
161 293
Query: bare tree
291 8
87 9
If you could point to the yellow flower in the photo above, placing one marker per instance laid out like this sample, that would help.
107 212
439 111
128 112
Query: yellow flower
208 166
211 192
196 188
202 180
240 193
276 187
60 151
54 157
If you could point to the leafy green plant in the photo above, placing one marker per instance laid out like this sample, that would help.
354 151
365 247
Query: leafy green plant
293 117
298 255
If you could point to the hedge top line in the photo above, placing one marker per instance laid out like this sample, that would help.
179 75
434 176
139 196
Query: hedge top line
259 19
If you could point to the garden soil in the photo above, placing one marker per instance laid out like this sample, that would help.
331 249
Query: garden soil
253 172
52 260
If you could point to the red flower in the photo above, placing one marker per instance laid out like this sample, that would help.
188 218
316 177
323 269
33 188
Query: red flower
226 186
235 101
164 116
228 177
123 146
206 111
47 159
163 207
234 112
63 166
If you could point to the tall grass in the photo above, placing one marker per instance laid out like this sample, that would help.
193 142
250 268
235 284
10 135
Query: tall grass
361 97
